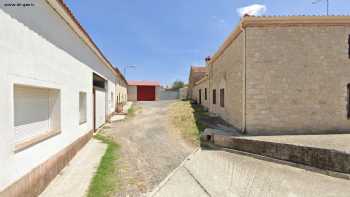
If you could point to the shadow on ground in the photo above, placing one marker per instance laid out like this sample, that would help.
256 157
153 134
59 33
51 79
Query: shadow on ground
205 120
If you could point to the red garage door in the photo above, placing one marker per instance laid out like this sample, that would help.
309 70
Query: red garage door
146 93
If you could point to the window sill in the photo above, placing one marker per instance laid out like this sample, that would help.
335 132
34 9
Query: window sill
35 140
83 122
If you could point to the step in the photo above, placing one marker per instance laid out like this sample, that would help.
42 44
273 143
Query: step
326 152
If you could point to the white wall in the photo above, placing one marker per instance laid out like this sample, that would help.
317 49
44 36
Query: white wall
38 48
100 107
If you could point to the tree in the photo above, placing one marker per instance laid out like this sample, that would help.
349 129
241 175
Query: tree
177 85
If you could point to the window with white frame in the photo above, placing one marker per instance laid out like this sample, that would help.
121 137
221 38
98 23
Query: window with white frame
82 108
36 112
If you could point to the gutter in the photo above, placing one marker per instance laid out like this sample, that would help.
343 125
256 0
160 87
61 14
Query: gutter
58 6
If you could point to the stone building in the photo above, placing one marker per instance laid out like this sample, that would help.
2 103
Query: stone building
279 75
57 88
143 90
196 73
200 92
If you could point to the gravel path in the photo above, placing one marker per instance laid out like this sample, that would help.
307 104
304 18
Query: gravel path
150 148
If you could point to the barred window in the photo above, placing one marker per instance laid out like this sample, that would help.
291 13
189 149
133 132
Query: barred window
348 101
349 46
214 96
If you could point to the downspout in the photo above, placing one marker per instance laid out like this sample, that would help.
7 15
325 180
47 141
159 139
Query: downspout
244 80
207 60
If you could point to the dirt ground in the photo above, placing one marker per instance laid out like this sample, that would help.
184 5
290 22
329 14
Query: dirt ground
150 148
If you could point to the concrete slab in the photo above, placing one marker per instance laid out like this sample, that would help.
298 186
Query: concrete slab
328 152
117 117
181 184
224 174
74 180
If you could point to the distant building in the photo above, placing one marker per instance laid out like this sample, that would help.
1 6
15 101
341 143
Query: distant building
196 73
143 90
278 75
200 92
183 93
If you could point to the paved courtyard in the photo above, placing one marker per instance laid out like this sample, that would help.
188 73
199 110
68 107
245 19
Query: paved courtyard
150 148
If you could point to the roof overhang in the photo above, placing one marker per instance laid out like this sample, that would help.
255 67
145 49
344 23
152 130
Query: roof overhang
64 12
203 79
279 21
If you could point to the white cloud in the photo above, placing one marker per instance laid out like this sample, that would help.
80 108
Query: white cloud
222 21
254 10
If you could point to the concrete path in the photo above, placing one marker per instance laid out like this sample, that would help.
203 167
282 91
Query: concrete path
150 148
221 174
74 179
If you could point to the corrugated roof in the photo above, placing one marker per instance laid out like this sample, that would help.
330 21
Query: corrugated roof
143 83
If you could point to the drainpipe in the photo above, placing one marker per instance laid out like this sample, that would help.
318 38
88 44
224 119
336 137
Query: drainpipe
207 60
244 80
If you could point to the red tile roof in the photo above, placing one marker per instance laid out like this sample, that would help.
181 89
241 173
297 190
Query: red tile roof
143 83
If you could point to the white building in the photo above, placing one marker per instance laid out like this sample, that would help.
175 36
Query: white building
56 89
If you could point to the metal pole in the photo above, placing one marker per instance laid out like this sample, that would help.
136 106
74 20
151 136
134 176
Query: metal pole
327 7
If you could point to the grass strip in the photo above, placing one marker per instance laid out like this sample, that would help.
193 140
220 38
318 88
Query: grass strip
186 118
105 182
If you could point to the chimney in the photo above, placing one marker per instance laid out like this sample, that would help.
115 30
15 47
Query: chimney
207 59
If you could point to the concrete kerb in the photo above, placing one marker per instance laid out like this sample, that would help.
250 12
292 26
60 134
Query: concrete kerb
163 183
211 146
324 159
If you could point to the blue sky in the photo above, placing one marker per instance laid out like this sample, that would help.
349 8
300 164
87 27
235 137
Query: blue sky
162 38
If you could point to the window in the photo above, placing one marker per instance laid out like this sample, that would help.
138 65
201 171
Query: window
214 96
349 46
36 114
222 97
82 108
348 101
205 94
200 96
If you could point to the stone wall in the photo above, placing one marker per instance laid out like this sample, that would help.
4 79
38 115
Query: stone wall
226 72
297 79
195 94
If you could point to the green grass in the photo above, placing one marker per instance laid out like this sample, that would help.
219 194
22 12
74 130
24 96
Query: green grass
133 110
105 182
186 119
